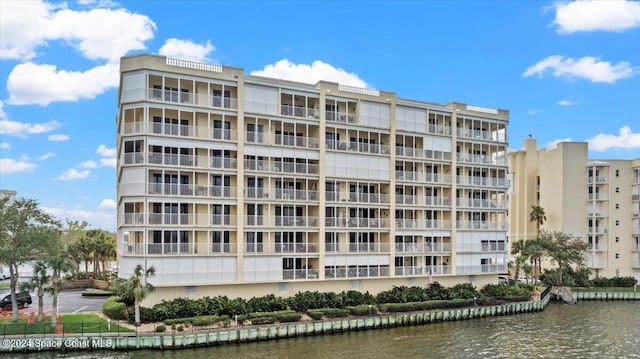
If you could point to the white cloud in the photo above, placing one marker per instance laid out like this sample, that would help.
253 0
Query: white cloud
554 143
5 145
318 70
58 137
534 112
3 115
9 165
592 15
58 85
98 33
22 129
72 174
88 164
186 50
104 216
46 156
587 67
107 204
567 103
105 151
626 139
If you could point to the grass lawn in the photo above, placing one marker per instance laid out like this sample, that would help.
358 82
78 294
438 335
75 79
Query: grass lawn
5 285
72 323
603 289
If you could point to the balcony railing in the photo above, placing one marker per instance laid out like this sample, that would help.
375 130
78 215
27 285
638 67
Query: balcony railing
279 166
361 272
193 248
479 203
496 226
296 194
295 221
482 181
598 230
297 111
281 140
426 270
179 160
299 274
183 219
191 190
198 132
439 129
481 268
340 117
422 177
296 247
596 179
335 196
357 147
482 159
424 154
597 196
482 135
422 224
187 98
357 222
423 247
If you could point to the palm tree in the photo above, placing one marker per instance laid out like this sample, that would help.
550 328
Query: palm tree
535 250
84 250
138 288
537 215
38 281
58 265
517 249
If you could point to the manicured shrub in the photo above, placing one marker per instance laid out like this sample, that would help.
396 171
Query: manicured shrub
146 315
114 309
366 309
317 314
288 317
263 320
180 328
161 328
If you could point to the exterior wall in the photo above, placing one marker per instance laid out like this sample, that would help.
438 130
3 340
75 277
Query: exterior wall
589 199
228 182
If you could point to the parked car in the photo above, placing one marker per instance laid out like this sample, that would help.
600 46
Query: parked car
24 298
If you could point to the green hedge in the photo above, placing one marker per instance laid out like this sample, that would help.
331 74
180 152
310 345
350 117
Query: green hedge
359 310
317 314
114 309
267 319
199 321
97 293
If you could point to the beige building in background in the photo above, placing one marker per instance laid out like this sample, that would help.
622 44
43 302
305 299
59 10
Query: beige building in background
242 185
596 200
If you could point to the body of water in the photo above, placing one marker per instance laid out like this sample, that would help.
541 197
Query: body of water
587 330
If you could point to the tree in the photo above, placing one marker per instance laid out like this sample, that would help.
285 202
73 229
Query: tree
58 265
534 249
564 250
26 233
85 249
38 281
517 249
138 288
537 215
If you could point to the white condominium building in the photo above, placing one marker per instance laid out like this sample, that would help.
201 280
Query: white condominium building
596 200
244 186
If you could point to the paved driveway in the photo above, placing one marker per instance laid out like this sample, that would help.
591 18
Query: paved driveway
69 301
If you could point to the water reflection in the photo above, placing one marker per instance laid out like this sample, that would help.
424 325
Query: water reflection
585 330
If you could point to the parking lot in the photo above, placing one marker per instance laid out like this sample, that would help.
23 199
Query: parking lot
69 301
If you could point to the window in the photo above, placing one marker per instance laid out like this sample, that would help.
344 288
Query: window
617 255
617 222
617 173
617 239
617 189
617 206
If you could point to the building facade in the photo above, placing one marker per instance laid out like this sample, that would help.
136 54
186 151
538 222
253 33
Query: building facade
596 200
242 185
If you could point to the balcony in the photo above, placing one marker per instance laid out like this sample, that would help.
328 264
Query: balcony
361 272
439 129
495 136
174 160
187 98
482 159
479 203
295 221
422 224
357 147
185 219
483 225
596 179
482 181
179 248
423 247
279 167
356 222
289 274
296 194
168 189
282 140
423 154
418 271
297 111
481 268
598 230
597 197
196 132
373 198
335 116
296 248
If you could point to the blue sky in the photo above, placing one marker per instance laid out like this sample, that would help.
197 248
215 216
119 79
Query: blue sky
564 70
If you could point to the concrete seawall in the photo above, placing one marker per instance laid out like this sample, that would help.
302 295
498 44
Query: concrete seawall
607 295
247 334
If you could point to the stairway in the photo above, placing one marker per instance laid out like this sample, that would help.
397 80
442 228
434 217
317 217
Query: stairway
565 294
